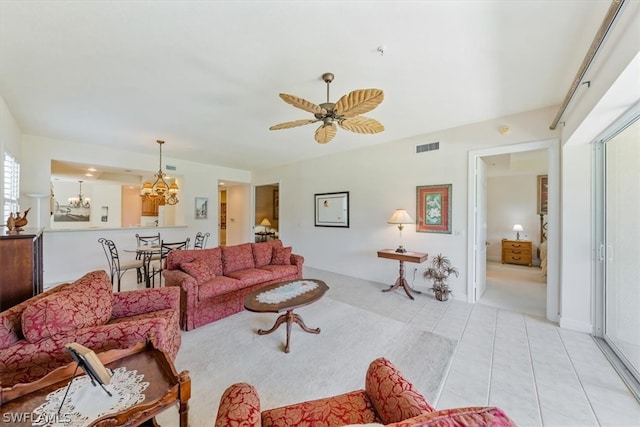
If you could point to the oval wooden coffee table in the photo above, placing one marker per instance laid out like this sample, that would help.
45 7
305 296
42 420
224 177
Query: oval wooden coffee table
286 296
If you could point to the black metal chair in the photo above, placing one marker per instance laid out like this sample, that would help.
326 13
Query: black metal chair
158 265
146 241
201 240
117 268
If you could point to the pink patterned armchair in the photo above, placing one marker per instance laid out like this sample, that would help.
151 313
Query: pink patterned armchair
388 399
34 332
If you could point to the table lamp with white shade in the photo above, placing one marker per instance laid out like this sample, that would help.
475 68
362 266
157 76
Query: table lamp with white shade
517 228
400 217
265 223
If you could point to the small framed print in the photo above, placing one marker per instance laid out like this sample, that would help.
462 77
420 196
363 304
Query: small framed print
332 209
433 206
201 208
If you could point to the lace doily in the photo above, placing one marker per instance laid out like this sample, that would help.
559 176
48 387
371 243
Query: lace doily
86 402
286 292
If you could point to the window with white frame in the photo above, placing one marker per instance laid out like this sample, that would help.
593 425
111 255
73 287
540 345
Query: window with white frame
11 189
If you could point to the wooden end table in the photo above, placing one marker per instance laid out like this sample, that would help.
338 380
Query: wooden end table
166 387
251 303
416 257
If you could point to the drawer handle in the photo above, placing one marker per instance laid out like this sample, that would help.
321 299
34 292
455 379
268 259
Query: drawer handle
516 252
516 245
516 257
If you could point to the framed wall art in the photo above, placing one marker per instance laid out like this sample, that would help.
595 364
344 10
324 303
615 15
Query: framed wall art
332 209
543 194
433 208
276 204
201 208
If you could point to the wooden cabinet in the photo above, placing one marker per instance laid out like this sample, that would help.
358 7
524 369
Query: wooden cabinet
20 266
150 205
516 252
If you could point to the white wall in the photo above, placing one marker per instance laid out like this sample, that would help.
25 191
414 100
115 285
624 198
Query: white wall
380 179
10 136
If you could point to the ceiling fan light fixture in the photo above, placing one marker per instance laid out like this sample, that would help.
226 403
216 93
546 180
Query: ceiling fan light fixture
346 112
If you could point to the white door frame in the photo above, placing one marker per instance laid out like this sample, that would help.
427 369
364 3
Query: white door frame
553 217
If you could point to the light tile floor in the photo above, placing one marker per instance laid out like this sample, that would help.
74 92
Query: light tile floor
539 374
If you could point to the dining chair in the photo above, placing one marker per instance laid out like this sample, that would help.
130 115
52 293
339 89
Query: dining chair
153 239
200 241
117 268
158 265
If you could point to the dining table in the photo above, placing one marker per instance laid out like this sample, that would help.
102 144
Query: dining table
146 253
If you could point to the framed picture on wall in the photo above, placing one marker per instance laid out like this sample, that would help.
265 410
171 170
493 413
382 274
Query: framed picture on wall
332 209
433 208
276 204
543 194
201 208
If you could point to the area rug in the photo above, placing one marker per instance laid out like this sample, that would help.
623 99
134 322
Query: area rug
332 362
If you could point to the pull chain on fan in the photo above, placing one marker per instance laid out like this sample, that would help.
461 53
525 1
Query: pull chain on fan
346 112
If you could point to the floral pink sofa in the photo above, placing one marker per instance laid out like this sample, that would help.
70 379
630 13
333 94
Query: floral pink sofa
34 332
388 399
213 282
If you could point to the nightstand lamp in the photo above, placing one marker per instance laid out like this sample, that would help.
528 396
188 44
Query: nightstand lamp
265 223
517 228
400 217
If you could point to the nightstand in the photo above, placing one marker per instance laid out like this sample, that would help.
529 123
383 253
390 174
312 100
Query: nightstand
516 252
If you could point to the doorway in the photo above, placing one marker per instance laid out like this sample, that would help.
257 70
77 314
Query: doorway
477 225
266 212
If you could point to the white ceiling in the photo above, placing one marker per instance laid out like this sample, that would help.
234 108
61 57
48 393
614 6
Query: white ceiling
205 75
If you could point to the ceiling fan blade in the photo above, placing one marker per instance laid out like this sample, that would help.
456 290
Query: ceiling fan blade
358 102
361 124
303 104
293 124
325 133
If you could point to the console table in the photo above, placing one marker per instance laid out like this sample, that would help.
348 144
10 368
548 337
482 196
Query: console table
403 257
166 388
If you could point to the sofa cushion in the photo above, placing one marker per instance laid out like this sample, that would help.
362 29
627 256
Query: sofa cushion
87 302
199 269
238 257
262 253
282 272
213 256
471 416
281 256
219 285
251 276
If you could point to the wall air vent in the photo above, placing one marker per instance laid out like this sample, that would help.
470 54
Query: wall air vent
170 168
427 147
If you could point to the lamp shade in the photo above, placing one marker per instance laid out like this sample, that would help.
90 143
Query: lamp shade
265 222
517 227
400 216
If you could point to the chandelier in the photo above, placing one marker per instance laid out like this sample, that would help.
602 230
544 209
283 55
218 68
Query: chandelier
160 189
80 201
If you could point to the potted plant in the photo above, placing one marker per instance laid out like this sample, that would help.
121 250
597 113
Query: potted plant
439 271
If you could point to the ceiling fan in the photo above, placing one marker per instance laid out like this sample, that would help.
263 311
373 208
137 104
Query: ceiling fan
346 112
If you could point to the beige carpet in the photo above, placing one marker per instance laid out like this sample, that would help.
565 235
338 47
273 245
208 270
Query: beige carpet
333 362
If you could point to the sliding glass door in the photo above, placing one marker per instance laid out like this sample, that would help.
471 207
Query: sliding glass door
619 251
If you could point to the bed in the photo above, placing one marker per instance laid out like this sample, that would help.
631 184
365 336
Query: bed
542 249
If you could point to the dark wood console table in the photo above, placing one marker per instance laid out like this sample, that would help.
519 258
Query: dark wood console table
166 388
416 257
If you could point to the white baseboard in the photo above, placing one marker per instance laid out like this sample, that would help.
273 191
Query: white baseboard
576 325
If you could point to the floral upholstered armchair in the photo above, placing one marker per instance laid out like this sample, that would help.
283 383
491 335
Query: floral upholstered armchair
388 399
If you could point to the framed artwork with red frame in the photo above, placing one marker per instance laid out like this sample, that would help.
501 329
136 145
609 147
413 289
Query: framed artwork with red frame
433 208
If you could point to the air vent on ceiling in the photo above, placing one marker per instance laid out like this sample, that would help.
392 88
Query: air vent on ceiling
170 168
427 147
